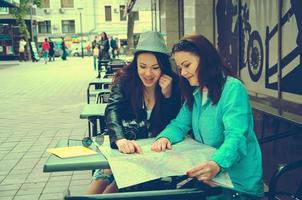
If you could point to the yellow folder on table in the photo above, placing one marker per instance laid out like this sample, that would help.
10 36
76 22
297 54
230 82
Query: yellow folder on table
73 151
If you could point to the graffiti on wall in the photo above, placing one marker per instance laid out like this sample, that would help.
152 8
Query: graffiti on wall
249 46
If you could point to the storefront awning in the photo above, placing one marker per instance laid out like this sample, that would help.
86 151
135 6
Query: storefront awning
5 4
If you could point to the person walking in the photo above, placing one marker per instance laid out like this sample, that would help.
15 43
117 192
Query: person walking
63 46
113 46
22 45
51 50
104 47
45 50
96 51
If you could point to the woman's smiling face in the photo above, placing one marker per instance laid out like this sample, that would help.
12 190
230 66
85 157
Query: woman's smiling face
148 69
187 64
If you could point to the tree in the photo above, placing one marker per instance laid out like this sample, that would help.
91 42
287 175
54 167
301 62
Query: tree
130 29
20 14
130 26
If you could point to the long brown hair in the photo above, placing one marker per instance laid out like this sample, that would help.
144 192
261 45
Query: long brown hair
212 73
130 81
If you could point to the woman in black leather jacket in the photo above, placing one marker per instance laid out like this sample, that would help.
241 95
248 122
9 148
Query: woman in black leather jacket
144 98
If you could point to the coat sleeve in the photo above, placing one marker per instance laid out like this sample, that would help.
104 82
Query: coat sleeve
179 127
113 114
236 116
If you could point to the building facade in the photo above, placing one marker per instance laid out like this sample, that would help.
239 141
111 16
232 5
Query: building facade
62 18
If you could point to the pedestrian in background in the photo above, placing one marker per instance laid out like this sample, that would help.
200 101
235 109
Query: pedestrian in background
113 46
63 46
96 52
51 50
22 47
45 50
104 47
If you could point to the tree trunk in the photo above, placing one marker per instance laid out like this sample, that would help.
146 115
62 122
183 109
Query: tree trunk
130 28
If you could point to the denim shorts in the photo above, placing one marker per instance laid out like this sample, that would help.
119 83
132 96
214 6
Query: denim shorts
101 175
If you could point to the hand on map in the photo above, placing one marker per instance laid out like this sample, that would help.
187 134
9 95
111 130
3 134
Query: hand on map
161 145
205 171
128 146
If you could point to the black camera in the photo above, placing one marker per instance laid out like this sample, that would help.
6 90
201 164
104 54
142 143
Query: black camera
131 131
134 130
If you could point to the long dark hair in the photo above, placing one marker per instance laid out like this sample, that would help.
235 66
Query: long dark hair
212 73
131 83
105 36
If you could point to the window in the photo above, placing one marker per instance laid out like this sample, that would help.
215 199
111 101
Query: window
68 26
108 16
45 4
135 15
122 13
44 27
67 4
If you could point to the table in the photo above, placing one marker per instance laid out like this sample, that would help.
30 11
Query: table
92 112
56 164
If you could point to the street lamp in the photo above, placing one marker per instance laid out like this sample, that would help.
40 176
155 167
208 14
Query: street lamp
80 10
32 6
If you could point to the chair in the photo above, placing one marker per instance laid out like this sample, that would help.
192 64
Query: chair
102 86
274 192
114 66
102 63
282 170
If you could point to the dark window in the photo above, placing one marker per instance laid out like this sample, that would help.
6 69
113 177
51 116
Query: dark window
135 15
44 27
108 16
67 4
122 13
45 4
68 26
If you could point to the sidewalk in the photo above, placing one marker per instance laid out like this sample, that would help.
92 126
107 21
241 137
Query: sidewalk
40 104
8 63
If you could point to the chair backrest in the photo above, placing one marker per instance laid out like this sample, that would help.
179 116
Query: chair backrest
283 170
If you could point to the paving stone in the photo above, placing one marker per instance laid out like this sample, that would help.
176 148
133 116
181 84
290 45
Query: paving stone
52 196
55 189
5 193
14 179
28 191
13 156
7 198
33 185
10 186
27 197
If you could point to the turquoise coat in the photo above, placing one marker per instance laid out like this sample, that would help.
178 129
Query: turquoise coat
227 126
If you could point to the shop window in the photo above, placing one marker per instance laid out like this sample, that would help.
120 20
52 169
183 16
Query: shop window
122 13
67 4
45 4
135 15
68 26
108 14
44 27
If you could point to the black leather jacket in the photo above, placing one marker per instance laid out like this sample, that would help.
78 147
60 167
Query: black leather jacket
119 109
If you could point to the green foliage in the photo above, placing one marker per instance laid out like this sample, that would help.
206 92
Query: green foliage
21 12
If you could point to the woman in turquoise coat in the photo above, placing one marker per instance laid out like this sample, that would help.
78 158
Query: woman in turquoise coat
218 111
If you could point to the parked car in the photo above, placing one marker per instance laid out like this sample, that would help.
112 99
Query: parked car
78 52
